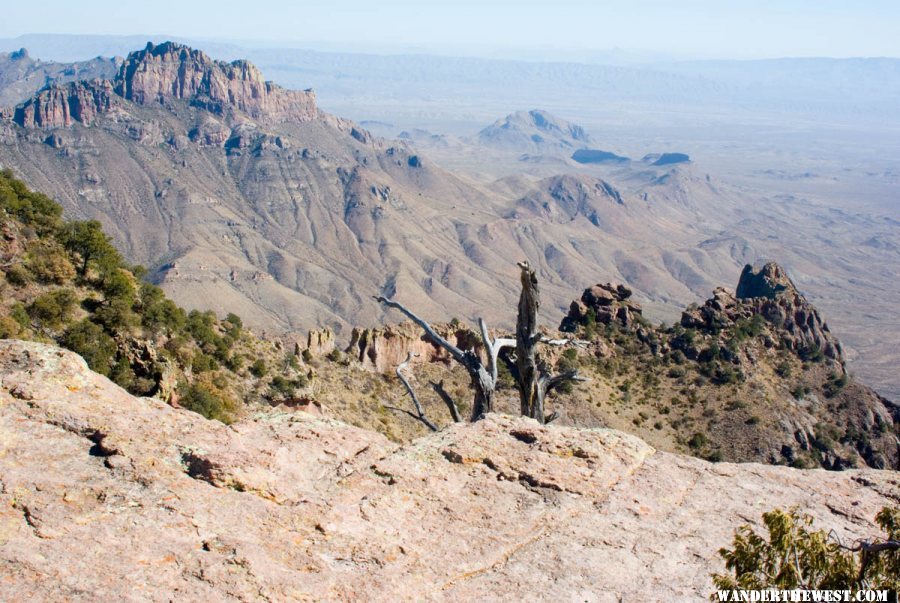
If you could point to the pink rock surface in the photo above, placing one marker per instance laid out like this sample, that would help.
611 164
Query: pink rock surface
104 496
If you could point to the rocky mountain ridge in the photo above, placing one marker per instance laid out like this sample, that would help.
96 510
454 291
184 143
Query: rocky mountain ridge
769 292
163 72
101 491
765 350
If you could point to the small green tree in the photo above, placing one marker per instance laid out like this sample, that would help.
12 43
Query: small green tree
88 240
796 556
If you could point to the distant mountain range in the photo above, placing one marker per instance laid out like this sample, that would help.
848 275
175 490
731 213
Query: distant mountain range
362 85
245 196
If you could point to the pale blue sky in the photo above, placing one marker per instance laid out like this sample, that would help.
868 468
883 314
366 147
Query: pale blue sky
705 28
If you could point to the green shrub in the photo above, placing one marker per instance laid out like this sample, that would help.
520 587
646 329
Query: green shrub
811 353
53 308
9 328
94 247
711 353
723 375
203 362
698 441
19 314
792 555
783 369
799 390
205 400
30 208
93 344
116 315
18 275
284 386
234 326
159 314
676 372
259 369
118 284
49 263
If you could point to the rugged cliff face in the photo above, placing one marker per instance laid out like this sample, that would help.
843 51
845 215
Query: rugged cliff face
101 491
383 349
604 304
63 105
172 71
768 292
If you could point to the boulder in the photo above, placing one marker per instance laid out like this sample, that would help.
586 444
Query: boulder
607 303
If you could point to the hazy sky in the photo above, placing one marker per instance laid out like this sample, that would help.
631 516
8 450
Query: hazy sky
707 28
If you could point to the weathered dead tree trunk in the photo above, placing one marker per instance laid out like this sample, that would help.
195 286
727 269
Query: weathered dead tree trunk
533 379
526 343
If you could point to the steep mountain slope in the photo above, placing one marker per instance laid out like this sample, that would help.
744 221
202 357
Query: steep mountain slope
242 196
102 491
752 374
64 282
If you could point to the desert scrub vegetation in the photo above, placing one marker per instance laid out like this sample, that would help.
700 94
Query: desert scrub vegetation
65 282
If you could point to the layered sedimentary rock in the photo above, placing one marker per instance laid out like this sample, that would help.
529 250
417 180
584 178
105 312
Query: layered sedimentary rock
104 496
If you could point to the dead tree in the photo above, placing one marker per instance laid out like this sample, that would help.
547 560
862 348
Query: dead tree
531 375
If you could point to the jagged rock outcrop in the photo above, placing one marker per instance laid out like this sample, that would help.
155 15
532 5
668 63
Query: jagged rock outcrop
173 71
769 292
606 303
101 491
61 105
163 73
319 343
382 349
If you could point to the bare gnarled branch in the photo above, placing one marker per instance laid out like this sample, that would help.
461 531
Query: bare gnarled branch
412 394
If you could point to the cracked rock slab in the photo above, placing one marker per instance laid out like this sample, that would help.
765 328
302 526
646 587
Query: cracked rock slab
104 496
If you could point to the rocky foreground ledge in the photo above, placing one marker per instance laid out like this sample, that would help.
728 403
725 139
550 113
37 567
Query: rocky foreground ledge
104 496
